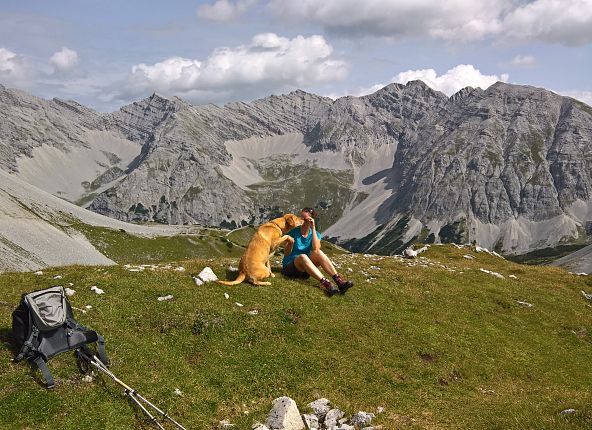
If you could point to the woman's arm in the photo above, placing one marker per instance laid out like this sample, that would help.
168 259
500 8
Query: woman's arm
316 243
289 246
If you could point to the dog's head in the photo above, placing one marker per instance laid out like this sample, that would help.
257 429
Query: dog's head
288 222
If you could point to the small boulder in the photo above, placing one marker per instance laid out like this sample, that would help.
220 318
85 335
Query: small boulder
332 418
311 421
284 415
207 275
320 407
362 419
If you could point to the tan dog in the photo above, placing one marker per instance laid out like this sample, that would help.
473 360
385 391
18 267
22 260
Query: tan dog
254 264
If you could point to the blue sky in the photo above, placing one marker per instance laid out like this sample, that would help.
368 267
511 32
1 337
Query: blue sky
107 53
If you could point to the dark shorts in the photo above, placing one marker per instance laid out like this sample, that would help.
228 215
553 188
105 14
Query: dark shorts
291 271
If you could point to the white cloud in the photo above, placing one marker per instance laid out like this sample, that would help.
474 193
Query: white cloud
268 63
224 10
583 96
523 61
65 60
567 22
463 75
14 69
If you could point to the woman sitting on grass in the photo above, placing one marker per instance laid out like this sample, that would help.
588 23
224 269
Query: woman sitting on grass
303 256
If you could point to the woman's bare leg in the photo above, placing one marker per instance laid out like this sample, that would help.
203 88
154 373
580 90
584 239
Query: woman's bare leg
319 258
304 264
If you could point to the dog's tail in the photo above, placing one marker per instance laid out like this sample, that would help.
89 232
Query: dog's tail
241 278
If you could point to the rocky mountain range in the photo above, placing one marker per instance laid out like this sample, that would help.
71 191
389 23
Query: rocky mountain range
509 167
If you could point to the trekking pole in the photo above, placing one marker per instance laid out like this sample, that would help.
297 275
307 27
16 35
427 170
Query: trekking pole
135 393
131 393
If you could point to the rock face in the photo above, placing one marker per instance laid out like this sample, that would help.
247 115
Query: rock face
509 167
284 415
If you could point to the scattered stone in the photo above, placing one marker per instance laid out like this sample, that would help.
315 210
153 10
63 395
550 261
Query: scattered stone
87 378
177 392
362 419
69 291
284 415
311 421
525 304
166 298
97 290
38 273
497 275
587 296
380 410
253 312
57 277
513 276
468 257
259 426
375 267
412 253
332 417
568 411
226 296
232 269
207 275
320 407
349 269
70 284
198 281
225 424
179 269
240 305
88 307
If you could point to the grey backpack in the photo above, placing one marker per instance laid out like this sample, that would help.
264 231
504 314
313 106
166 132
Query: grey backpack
43 326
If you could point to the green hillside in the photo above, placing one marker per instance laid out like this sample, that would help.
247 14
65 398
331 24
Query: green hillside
435 341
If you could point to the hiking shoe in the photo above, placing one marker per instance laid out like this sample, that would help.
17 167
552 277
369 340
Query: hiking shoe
342 284
328 287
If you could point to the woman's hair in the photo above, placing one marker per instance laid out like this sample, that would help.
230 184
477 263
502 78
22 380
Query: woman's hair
311 211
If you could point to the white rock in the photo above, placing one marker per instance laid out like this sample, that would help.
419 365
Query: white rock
586 295
178 392
253 312
240 305
259 426
180 269
207 275
332 418
57 277
468 257
197 281
232 269
362 419
513 276
166 298
69 291
97 290
525 304
497 275
88 307
380 410
38 273
568 411
320 407
284 415
226 296
311 421
225 424
87 378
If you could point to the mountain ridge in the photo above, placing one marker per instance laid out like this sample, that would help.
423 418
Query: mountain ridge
507 167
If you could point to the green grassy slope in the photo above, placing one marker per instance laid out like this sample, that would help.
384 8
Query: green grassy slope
439 349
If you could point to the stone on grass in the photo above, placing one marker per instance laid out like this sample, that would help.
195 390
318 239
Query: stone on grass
97 290
166 298
311 421
259 426
225 424
69 291
207 275
320 407
362 419
38 273
197 281
284 415
332 418
568 411
345 427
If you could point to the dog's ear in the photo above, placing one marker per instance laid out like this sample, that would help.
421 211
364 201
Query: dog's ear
290 220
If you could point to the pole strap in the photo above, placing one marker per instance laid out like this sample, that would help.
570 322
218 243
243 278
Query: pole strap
40 362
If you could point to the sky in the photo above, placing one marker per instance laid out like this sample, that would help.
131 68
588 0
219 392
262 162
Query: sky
108 53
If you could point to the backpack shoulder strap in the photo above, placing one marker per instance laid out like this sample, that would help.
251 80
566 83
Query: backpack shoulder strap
40 362
28 345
